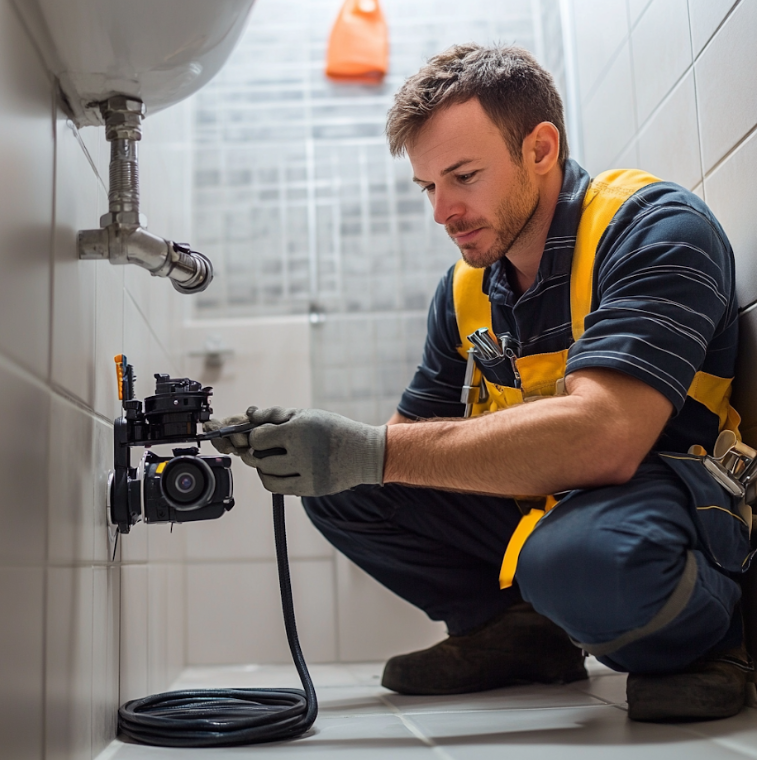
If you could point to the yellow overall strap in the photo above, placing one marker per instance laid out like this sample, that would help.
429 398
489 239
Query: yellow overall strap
606 194
472 307
473 310
539 372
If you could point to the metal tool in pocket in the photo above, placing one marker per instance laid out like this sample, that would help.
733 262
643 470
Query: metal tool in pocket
485 346
733 465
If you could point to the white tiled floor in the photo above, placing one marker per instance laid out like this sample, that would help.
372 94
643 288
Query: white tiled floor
360 720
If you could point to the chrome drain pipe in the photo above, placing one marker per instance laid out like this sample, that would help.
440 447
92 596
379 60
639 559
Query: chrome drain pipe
122 237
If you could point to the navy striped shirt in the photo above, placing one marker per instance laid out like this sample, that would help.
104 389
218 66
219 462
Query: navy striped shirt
663 308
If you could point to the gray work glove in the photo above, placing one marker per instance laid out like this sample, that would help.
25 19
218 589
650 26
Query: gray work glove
234 444
309 452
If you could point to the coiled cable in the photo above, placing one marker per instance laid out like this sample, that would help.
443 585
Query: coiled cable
231 717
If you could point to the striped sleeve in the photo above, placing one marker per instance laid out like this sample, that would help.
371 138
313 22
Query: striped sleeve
663 285
435 388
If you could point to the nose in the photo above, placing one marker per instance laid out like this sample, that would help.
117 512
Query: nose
447 207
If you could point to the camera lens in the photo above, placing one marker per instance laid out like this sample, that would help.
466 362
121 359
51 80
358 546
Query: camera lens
187 483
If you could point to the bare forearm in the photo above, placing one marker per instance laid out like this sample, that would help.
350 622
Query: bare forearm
507 452
536 448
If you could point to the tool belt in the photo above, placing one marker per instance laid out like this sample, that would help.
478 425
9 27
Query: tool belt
733 465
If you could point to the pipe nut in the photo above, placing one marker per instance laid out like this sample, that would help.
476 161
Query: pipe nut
123 218
93 244
123 103
123 117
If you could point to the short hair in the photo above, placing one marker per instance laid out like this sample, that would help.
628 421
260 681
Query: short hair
515 92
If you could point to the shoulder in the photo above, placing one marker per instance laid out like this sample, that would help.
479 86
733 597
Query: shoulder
664 221
664 208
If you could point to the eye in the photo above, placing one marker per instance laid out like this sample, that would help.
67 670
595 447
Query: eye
466 177
427 189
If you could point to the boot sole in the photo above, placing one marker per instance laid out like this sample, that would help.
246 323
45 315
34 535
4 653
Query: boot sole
471 688
659 702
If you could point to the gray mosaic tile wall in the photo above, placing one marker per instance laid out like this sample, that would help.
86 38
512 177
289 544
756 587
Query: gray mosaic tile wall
300 205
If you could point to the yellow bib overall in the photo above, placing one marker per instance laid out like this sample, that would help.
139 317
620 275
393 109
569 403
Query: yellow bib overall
543 374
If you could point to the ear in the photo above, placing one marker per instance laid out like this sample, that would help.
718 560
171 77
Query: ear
541 148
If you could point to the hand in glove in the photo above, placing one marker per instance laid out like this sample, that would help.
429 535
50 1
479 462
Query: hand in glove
234 444
309 452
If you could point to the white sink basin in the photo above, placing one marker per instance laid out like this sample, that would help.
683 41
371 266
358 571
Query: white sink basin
160 51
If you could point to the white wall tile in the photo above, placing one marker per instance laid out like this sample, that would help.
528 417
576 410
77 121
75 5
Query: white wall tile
157 628
270 366
629 158
608 121
731 193
137 348
304 539
228 609
106 547
374 623
70 523
134 633
176 622
166 542
600 28
661 49
24 406
726 85
255 373
21 662
669 144
68 665
105 655
234 612
246 532
705 16
26 200
635 9
109 335
73 327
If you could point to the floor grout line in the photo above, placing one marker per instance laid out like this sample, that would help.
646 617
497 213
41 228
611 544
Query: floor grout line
416 731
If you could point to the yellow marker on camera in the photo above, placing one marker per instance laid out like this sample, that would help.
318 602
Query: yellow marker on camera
119 360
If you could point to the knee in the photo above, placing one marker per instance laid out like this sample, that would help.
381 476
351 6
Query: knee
597 580
348 508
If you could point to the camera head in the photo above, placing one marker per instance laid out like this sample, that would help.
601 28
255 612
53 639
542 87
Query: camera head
184 487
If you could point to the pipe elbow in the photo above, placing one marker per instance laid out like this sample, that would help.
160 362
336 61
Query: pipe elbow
189 271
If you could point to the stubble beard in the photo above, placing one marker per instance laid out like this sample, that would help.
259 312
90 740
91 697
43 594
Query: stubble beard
514 219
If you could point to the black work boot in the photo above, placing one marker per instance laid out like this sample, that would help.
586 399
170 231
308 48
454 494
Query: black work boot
518 646
711 688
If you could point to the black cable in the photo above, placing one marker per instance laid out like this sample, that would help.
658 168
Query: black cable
231 717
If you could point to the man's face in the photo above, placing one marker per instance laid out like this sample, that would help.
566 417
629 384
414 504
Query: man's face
484 199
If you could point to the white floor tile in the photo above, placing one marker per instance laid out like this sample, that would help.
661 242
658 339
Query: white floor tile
533 697
583 733
359 720
608 688
738 734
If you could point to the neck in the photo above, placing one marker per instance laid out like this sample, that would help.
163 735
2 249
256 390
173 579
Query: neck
526 252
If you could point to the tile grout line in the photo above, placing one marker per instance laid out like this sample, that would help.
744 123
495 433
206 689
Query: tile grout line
726 742
416 731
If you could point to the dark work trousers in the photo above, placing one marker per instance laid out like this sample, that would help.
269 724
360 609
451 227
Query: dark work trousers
602 564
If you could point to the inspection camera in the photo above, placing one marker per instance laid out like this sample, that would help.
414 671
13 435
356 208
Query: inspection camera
181 488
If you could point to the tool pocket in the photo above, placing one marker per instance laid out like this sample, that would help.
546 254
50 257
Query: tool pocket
722 531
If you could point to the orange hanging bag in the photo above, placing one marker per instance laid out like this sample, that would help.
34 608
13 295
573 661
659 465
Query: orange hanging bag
359 44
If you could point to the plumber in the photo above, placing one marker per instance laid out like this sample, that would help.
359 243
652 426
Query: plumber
603 330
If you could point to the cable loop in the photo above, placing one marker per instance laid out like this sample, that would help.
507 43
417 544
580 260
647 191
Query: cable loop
231 717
